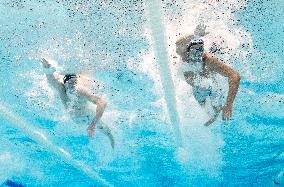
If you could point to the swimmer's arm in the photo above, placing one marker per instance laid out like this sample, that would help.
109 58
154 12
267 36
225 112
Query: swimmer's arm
54 80
101 105
51 75
234 80
182 40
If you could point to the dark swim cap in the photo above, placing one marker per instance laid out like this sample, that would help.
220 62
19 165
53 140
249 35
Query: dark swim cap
67 77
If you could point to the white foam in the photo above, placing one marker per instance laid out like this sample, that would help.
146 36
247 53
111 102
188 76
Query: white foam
155 21
201 145
182 155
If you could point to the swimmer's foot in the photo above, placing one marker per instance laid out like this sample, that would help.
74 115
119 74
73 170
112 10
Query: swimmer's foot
112 143
210 121
105 129
217 111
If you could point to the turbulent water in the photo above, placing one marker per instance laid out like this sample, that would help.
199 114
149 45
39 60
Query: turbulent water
112 41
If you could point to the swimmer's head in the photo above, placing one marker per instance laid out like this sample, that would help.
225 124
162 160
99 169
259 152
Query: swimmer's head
70 79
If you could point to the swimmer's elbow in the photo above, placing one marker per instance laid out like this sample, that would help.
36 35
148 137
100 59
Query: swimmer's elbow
102 103
236 77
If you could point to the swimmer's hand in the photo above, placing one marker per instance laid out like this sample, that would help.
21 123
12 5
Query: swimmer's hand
45 63
48 65
91 130
227 112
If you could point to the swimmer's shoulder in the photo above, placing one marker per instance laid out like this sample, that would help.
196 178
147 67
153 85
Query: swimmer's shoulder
211 62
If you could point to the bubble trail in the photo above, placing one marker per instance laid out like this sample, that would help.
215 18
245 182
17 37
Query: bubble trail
154 15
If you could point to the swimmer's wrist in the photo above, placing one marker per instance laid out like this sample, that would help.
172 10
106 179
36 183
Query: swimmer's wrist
228 105
92 126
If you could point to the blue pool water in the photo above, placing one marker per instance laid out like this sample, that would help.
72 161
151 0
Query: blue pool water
40 146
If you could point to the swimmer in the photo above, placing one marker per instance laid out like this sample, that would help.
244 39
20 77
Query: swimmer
200 69
74 93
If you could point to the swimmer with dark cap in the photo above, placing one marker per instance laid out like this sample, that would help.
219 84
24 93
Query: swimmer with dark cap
75 93
200 69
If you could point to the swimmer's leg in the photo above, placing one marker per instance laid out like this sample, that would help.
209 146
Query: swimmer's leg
217 111
105 129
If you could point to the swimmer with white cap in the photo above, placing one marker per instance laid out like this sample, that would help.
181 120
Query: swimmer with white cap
202 66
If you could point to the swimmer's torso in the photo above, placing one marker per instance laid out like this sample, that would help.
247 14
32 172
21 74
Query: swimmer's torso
204 83
77 104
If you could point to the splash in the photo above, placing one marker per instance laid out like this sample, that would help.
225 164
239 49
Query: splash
234 43
155 21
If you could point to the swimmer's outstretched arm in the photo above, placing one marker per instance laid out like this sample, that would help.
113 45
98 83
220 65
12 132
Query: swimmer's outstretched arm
101 105
54 79
216 65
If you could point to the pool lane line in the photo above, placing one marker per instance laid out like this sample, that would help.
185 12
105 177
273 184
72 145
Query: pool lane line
38 136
